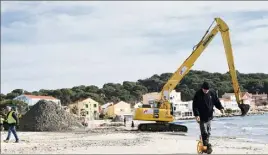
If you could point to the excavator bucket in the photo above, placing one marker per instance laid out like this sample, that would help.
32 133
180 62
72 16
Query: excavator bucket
244 108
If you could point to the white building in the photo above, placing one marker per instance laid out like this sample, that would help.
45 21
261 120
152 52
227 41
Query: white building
33 99
138 105
175 96
228 101
246 97
181 109
229 104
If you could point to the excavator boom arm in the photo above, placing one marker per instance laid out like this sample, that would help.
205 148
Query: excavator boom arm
189 62
230 58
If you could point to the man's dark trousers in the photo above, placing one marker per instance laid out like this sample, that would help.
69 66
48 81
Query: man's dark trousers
12 129
205 128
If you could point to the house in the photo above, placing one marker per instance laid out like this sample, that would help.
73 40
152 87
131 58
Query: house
262 96
121 108
88 108
259 99
183 109
33 99
229 101
175 96
246 97
228 104
150 97
104 107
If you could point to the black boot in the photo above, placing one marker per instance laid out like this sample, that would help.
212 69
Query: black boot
209 149
205 143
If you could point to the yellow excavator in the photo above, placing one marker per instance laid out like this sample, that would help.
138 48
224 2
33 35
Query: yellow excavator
162 110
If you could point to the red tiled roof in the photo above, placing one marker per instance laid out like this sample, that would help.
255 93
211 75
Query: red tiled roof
41 97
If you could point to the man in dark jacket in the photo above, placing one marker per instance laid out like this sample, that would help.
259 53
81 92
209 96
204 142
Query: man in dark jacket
203 103
12 121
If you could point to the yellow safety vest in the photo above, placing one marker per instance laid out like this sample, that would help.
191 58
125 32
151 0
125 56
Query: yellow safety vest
2 120
10 118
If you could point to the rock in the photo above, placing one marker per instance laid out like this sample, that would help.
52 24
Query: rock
48 116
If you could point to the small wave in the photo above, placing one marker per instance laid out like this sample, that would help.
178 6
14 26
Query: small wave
247 128
254 129
227 127
257 134
261 128
231 124
261 125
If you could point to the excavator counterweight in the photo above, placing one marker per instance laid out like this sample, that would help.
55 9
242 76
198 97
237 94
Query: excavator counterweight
162 114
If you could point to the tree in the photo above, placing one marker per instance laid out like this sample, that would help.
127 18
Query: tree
2 97
228 111
20 105
131 92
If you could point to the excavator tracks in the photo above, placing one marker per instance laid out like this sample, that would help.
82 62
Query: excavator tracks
159 127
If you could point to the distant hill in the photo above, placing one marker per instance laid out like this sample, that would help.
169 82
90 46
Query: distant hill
132 91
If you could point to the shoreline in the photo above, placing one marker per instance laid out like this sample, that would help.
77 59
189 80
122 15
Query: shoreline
228 115
118 140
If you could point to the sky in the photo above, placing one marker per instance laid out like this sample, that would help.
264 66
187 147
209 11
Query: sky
52 45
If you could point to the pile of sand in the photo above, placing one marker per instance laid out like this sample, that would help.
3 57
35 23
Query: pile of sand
48 116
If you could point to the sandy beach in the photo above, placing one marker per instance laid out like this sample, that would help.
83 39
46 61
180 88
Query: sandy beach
117 140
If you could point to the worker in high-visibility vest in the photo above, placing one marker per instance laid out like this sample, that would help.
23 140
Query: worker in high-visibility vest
12 121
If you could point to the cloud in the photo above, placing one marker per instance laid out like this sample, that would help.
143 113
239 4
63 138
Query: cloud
50 45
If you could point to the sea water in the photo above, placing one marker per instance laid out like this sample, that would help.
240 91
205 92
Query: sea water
250 128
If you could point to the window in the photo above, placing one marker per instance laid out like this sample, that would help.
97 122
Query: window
87 112
86 105
95 105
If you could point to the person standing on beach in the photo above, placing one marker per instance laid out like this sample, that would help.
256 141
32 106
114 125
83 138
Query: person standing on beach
1 123
12 121
203 103
125 121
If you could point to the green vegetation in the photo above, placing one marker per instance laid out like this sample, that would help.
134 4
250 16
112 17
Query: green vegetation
20 106
228 111
132 91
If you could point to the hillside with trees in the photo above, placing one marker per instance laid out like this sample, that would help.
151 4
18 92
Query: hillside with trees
132 92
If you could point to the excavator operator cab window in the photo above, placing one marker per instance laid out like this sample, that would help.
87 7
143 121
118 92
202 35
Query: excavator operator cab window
156 105
146 106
